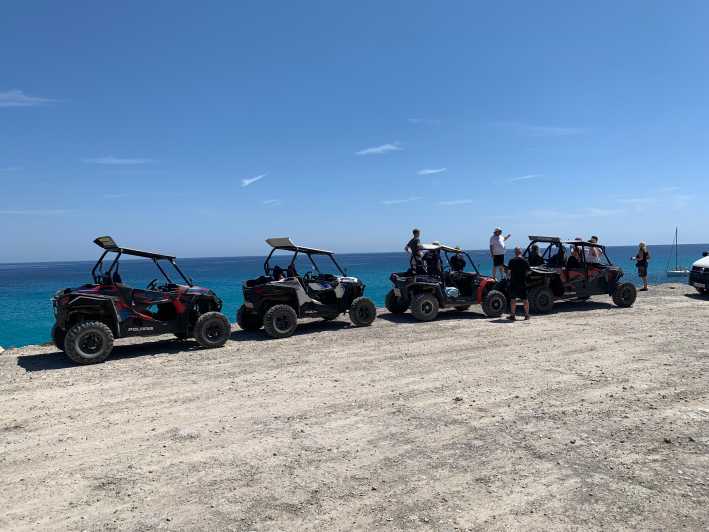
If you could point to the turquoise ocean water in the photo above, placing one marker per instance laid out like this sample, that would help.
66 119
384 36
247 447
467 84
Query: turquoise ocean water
25 289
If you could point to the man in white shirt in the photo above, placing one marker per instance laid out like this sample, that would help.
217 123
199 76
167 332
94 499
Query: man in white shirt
497 251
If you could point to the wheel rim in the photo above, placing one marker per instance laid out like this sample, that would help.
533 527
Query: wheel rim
90 344
626 294
426 307
363 313
496 303
282 323
543 300
213 332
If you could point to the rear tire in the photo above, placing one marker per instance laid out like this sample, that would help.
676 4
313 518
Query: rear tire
280 321
424 307
212 330
702 291
58 337
494 304
88 342
247 320
624 295
394 304
541 300
362 312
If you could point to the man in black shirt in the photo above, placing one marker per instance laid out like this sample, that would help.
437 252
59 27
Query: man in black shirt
413 247
518 268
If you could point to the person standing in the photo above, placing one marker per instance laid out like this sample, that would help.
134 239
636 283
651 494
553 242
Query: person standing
641 259
413 248
518 268
497 251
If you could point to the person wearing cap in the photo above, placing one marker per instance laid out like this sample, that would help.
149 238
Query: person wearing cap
518 268
497 251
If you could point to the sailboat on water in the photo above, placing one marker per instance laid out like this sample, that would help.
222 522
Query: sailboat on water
677 271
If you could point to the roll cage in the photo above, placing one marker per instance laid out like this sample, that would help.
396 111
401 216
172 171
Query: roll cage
109 246
447 252
554 242
285 244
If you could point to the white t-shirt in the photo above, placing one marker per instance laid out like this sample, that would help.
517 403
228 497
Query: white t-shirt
497 242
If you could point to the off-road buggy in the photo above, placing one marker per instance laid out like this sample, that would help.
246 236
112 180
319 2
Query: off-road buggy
572 269
278 298
88 318
443 284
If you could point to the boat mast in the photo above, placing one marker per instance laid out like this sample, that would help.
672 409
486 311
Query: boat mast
676 253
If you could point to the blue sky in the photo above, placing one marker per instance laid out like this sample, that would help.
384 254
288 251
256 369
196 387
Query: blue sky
203 129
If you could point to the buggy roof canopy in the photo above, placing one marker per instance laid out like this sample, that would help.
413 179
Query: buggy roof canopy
557 240
107 243
285 243
536 238
438 246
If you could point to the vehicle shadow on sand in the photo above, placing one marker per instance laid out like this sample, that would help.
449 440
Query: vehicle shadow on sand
444 315
698 297
306 327
58 360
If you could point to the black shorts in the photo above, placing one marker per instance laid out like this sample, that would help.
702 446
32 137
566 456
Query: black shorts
642 271
518 291
498 260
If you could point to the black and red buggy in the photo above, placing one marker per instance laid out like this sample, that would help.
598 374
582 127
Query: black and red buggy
571 269
446 277
89 317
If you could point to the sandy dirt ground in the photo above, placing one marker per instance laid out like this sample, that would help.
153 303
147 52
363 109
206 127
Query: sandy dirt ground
592 417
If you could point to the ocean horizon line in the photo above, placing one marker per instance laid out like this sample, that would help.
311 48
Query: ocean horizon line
344 253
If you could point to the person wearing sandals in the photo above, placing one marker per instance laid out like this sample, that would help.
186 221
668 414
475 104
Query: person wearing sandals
518 268
641 259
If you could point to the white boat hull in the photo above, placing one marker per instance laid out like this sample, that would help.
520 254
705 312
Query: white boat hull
678 273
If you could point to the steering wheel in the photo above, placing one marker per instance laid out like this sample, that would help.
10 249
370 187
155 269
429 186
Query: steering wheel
152 285
308 276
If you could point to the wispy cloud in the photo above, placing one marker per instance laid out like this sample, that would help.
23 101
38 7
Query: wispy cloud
423 121
251 180
540 131
110 160
34 212
272 202
17 98
456 202
378 150
431 171
641 201
11 169
399 201
591 212
524 177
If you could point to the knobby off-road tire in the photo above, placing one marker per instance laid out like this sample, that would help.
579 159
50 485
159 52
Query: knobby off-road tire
212 330
88 342
395 304
625 294
541 300
280 321
494 304
247 320
424 307
58 337
362 312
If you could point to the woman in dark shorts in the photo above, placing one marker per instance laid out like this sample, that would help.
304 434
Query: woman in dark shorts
641 259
